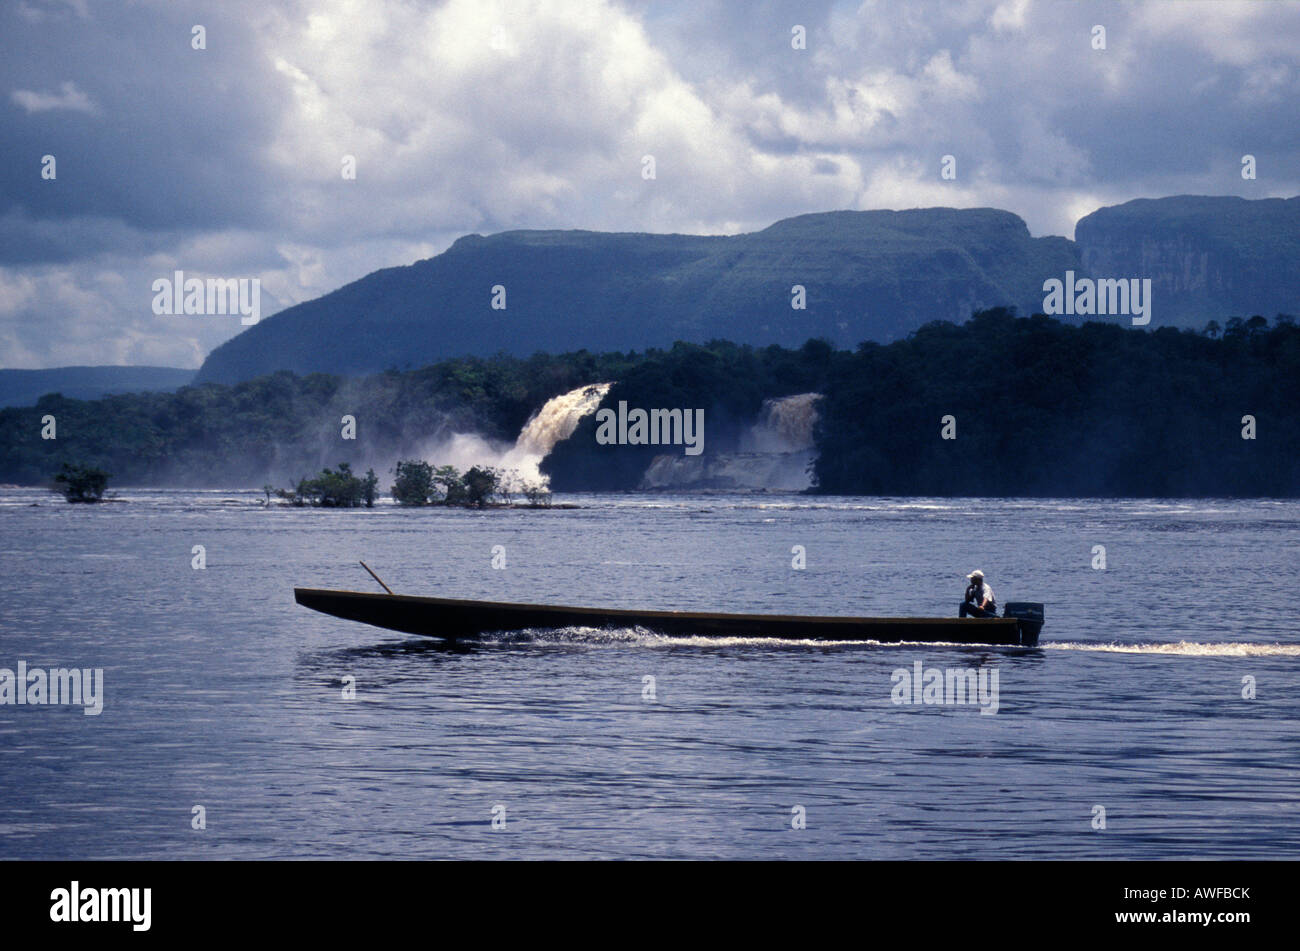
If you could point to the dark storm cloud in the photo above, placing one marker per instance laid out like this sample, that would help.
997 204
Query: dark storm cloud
173 141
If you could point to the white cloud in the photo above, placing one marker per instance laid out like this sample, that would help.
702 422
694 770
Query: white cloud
1010 15
69 97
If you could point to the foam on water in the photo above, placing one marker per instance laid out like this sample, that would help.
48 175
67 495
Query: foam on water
1183 649
643 637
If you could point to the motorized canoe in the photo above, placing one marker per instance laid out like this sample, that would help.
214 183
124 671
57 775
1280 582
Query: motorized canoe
455 619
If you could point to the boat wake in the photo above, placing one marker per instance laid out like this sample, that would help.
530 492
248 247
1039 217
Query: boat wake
644 637
1182 649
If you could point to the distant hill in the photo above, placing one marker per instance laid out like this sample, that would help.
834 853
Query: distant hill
868 275
25 387
1208 258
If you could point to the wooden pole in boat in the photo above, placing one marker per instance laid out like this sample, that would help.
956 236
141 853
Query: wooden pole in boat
377 578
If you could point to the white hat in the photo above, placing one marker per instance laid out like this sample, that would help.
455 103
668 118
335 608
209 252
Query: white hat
975 574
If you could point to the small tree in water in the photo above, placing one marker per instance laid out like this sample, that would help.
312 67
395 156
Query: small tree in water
80 483
414 484
537 494
370 488
448 479
419 483
481 485
336 489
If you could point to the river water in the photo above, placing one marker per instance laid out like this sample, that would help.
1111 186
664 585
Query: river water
220 692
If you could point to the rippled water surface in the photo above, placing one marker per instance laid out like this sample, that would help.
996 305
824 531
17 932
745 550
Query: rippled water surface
221 692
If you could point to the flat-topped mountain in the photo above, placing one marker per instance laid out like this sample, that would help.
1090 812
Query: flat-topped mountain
1208 258
866 275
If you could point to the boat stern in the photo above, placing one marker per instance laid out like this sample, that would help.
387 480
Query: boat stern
1029 617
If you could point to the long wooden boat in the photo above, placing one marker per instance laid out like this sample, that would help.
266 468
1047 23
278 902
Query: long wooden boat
455 619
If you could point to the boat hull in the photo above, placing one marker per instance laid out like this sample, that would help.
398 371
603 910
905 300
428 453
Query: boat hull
455 619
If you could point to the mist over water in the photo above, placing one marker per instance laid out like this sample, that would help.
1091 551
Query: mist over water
220 691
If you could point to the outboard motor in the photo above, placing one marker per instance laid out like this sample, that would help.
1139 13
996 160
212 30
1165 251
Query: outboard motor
1030 616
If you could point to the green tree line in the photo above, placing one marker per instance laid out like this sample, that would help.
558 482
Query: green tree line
1042 407
1038 407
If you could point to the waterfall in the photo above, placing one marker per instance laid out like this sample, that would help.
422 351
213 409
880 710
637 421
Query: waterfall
774 453
553 423
784 425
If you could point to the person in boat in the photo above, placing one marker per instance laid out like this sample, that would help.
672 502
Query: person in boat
980 601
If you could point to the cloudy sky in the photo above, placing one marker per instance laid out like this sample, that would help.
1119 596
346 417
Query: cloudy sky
485 115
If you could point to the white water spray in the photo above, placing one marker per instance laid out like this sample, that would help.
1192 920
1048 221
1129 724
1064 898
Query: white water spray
554 422
551 424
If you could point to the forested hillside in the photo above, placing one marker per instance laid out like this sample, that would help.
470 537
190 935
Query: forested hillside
1037 407
1045 408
